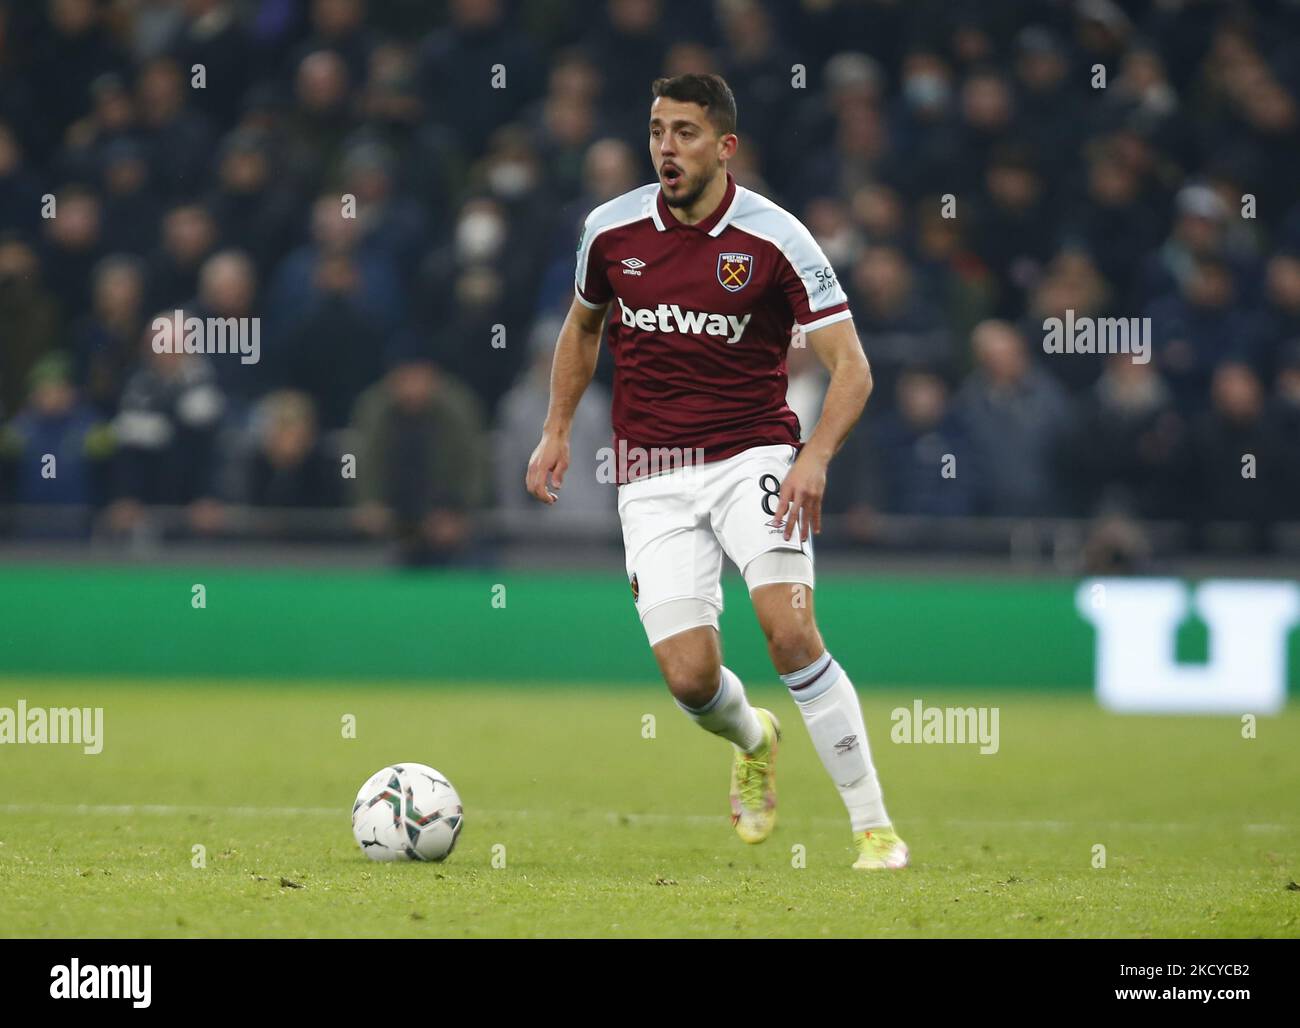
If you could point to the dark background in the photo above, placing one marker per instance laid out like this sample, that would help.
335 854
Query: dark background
377 332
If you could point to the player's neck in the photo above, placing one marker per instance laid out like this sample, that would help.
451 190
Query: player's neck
708 202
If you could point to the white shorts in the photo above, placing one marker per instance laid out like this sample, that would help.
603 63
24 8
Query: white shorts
678 524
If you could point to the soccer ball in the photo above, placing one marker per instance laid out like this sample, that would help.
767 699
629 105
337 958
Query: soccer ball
407 812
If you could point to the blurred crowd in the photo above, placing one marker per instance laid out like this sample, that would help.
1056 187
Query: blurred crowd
396 189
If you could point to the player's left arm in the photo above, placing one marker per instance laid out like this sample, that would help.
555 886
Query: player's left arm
838 348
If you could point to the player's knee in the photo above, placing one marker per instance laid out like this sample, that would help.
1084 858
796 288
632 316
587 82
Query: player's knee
693 682
684 636
792 644
695 690
691 667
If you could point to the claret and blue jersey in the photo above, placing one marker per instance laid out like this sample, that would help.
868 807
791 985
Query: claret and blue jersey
701 317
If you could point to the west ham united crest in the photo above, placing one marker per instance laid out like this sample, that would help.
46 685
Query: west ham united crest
734 270
636 588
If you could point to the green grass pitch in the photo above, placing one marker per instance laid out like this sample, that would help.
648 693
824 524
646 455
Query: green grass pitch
607 833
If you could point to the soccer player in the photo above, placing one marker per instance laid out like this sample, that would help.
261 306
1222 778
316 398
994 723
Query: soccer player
707 281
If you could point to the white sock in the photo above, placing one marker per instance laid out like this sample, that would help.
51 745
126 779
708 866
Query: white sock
729 714
830 708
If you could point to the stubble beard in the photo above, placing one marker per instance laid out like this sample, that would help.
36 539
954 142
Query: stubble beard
689 198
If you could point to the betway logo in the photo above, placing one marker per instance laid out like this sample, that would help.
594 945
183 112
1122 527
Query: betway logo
668 317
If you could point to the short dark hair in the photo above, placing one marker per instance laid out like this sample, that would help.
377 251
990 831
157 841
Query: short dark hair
709 91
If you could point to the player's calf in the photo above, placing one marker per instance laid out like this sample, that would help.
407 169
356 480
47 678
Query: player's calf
708 693
829 705
714 698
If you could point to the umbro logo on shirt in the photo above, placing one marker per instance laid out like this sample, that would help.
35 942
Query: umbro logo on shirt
632 265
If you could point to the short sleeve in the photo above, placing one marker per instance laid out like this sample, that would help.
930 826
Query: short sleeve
810 283
590 281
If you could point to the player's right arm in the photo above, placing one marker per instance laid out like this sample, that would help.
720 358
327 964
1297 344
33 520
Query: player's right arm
571 373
